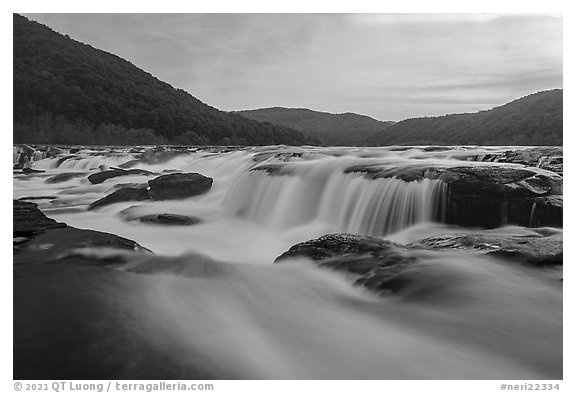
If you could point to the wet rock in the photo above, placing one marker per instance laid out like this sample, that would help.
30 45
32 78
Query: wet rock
167 219
376 264
32 198
39 239
28 171
29 220
179 186
122 195
533 248
62 177
97 178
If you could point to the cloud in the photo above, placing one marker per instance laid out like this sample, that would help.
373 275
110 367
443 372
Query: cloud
389 66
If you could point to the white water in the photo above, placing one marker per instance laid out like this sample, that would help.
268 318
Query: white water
459 317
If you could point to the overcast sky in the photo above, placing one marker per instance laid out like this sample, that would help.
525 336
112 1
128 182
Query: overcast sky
388 66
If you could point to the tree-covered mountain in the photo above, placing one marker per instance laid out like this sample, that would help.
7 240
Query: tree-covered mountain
532 120
343 129
69 92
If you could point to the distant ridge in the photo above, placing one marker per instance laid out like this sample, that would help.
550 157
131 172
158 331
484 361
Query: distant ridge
69 92
532 120
344 129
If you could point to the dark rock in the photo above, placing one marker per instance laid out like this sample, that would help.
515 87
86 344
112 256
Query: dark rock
97 178
39 239
32 198
62 177
135 171
27 170
128 185
376 264
168 219
533 248
29 220
122 195
65 158
179 186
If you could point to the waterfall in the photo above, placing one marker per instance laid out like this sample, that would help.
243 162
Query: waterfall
349 202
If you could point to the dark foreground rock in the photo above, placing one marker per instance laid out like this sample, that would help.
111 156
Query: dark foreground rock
28 220
41 239
376 264
179 186
73 314
121 195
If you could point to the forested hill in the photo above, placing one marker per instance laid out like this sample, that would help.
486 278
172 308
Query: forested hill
344 129
69 92
532 120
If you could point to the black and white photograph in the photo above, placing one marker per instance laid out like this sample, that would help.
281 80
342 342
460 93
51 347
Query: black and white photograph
287 196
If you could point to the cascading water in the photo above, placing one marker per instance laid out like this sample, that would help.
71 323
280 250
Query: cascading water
232 313
349 202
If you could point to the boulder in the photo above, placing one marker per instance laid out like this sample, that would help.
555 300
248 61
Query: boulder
376 264
97 178
121 195
179 186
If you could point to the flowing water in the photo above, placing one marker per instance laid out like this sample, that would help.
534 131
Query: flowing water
213 303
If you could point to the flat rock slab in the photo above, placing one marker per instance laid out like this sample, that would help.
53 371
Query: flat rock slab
534 249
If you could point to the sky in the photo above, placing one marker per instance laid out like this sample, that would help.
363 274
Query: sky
387 66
